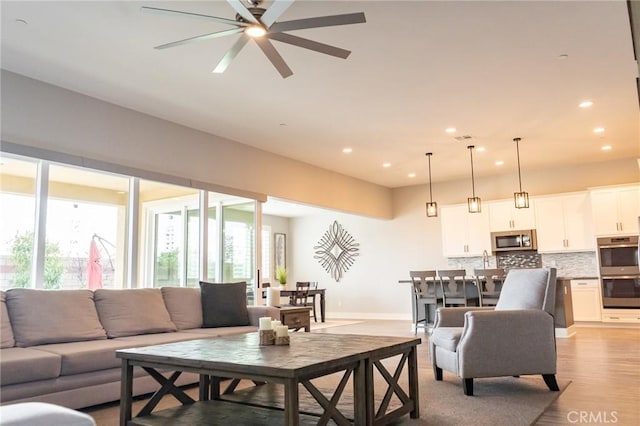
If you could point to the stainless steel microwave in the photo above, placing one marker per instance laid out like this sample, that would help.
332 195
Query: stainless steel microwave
524 240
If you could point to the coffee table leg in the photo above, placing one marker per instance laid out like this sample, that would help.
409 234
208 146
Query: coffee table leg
413 382
360 398
369 391
126 392
291 403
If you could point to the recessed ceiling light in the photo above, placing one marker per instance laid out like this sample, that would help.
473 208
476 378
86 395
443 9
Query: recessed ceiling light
563 56
607 148
21 21
499 163
347 150
411 175
585 104
450 130
598 130
386 165
481 149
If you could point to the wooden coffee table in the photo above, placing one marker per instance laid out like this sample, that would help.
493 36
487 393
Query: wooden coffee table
309 356
296 317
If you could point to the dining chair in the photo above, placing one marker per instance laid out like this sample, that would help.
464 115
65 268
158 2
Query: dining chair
426 292
457 288
489 283
301 297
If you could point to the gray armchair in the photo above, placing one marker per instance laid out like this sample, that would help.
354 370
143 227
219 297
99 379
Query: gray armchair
515 338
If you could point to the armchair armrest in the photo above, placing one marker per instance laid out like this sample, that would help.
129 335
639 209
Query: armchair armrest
255 312
454 317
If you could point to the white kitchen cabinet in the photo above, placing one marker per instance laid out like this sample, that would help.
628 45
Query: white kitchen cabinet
616 210
587 300
621 315
563 223
504 216
464 234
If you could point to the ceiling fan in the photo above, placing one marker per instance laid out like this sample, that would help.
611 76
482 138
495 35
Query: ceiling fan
257 23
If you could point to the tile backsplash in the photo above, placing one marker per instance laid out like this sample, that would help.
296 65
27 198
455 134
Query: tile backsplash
577 264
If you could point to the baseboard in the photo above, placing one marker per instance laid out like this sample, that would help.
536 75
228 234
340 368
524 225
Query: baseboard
369 316
564 333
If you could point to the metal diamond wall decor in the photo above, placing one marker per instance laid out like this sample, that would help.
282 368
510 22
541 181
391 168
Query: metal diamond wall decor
336 251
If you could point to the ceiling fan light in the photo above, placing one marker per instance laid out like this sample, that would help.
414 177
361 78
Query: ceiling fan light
255 31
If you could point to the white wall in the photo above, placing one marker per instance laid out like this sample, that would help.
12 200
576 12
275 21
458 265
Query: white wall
40 115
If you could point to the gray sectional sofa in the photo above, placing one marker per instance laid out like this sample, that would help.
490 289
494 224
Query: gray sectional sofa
58 346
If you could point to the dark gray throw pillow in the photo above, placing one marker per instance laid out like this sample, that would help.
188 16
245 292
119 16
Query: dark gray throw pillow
224 304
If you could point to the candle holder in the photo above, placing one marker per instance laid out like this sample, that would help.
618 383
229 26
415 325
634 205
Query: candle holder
282 340
267 337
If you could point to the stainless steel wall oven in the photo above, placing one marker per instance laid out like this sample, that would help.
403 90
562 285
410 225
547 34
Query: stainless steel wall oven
619 271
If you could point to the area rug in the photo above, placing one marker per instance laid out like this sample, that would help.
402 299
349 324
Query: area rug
497 401
331 323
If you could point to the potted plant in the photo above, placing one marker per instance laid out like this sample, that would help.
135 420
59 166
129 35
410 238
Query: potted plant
281 275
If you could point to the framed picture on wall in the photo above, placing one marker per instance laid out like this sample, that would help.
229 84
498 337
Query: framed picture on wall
280 250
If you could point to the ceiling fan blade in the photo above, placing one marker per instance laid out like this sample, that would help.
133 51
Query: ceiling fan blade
231 53
192 15
275 58
201 38
242 11
310 44
276 9
320 21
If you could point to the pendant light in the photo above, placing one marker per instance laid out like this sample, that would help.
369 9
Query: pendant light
521 199
474 203
432 206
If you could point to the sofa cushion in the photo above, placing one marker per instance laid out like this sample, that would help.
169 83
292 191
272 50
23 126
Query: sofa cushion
206 333
158 338
6 333
132 311
224 305
83 357
52 316
184 306
21 365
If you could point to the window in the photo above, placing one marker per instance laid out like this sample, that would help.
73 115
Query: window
84 209
266 254
171 243
17 218
80 221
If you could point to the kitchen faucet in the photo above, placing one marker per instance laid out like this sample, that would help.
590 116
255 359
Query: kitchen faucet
485 259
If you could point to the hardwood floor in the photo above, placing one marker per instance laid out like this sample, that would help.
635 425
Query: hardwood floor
603 364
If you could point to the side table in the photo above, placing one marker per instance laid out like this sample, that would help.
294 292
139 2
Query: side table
296 317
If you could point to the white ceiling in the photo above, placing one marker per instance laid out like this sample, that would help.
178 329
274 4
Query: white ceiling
490 69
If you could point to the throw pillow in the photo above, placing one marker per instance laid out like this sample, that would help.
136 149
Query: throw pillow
224 305
184 305
129 312
53 316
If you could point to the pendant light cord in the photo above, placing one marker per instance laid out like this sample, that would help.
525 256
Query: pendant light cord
473 185
428 154
517 140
